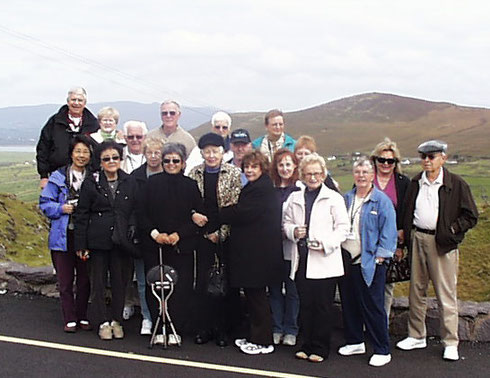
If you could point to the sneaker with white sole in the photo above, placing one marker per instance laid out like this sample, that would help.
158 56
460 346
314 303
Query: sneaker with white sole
411 343
252 349
174 339
146 325
240 342
128 311
105 331
379 359
158 339
117 330
289 340
277 338
451 353
351 349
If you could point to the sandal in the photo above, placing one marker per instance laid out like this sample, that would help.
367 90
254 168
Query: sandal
301 355
315 358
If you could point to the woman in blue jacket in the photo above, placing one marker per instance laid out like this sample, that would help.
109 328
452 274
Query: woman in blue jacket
370 243
58 201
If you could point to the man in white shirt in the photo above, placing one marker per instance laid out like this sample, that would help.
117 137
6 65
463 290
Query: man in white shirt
134 134
439 209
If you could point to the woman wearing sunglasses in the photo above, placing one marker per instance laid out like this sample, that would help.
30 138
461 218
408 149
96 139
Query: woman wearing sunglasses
169 200
103 223
389 179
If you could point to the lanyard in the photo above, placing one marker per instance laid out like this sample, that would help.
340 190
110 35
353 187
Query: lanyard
354 213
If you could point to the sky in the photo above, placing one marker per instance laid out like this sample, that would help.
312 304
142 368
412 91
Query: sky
244 55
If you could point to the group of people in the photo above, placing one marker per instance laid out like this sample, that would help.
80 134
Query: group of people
268 210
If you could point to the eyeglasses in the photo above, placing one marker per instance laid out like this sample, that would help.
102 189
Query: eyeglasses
173 161
430 156
389 161
131 137
169 113
107 159
313 174
217 127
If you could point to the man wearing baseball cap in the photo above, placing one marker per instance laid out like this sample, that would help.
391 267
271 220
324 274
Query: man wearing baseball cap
439 209
240 145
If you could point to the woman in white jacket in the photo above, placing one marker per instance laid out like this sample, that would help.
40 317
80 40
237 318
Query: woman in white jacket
315 220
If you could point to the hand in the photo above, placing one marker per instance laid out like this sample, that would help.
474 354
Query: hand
83 254
379 260
213 237
162 238
401 237
199 219
173 238
300 232
398 254
131 232
67 209
42 183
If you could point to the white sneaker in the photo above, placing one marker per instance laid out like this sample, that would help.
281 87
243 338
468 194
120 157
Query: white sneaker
412 343
289 340
146 325
250 348
174 339
158 339
379 359
128 311
277 337
351 349
240 342
451 353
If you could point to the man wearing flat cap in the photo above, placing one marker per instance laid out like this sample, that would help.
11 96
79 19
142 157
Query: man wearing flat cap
439 209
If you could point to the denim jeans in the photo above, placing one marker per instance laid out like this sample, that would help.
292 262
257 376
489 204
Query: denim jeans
139 268
285 308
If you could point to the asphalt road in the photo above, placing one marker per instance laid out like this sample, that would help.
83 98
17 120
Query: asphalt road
33 344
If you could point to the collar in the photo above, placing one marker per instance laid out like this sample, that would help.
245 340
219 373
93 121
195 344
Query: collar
438 181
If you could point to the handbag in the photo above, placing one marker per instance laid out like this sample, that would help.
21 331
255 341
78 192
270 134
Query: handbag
398 270
217 279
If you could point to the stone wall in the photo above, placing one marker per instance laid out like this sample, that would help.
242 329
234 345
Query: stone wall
474 318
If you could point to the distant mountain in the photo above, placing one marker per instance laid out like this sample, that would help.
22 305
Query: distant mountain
22 124
359 122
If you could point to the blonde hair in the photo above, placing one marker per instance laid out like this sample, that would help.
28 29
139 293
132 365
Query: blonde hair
108 111
387 145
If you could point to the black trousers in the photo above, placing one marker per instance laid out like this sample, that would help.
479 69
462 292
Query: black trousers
260 316
180 304
316 297
118 265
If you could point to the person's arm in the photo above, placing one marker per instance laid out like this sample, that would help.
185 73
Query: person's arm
49 201
469 213
43 149
249 208
82 215
341 225
388 235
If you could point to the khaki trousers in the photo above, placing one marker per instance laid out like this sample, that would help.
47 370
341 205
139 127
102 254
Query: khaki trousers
442 270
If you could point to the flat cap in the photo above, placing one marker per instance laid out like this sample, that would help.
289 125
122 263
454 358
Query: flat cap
211 139
432 146
240 136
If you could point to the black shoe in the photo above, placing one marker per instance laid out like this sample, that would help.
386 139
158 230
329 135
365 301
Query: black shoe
202 338
222 339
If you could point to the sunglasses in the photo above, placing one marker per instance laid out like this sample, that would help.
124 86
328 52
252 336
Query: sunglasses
170 113
221 127
430 156
107 159
173 161
131 137
386 161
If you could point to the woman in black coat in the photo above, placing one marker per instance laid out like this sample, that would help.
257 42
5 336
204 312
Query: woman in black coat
104 221
255 258
166 222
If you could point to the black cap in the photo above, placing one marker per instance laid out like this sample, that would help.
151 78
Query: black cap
240 136
432 146
211 139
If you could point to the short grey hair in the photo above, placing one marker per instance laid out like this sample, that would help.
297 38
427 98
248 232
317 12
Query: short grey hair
363 161
167 102
139 124
175 148
310 159
78 91
221 116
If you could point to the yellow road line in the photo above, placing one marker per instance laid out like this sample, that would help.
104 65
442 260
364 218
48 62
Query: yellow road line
146 358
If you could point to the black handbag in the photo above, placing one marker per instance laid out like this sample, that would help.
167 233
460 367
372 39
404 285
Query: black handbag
217 279
398 270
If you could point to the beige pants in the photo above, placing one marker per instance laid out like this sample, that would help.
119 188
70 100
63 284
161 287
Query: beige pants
442 270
